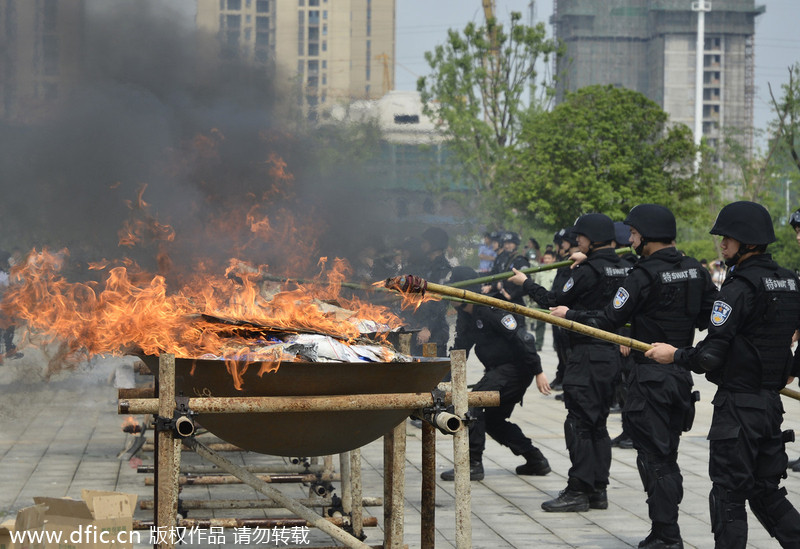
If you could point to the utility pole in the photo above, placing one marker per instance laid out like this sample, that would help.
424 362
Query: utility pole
701 8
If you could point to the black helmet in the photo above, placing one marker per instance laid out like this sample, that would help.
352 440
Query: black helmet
654 222
558 238
436 237
794 220
570 236
459 274
510 236
596 227
622 234
747 222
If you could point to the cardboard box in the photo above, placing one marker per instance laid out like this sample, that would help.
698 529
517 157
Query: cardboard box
29 519
92 523
5 534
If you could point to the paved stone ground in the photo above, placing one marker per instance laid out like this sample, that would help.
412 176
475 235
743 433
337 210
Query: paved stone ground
62 436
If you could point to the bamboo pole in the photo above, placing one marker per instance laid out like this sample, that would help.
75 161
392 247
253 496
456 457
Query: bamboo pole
508 274
791 393
440 289
546 317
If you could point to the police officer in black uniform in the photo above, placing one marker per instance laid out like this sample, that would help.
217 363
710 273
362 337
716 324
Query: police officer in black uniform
621 240
509 258
508 352
430 317
566 245
664 297
747 355
593 365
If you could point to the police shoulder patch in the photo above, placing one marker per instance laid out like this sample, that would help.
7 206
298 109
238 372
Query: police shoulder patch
568 285
509 322
720 313
621 297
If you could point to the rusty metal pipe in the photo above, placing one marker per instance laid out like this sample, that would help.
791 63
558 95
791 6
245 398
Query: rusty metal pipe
137 392
184 426
235 405
288 522
428 500
356 491
277 469
254 482
148 504
216 446
169 451
447 422
208 480
463 495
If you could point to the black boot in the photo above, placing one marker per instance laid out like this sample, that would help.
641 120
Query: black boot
654 542
622 441
535 464
573 499
598 499
475 471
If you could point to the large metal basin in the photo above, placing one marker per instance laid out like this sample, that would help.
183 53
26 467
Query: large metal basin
305 433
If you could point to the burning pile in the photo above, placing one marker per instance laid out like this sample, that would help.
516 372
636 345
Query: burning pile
237 317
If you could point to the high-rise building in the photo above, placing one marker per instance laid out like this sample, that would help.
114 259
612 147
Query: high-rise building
41 43
330 50
650 46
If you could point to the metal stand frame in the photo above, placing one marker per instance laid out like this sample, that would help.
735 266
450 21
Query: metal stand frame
168 466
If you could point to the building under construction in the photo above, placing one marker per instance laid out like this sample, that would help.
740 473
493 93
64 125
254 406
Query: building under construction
650 46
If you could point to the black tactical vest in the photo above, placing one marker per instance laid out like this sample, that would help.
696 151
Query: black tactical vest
759 356
676 294
610 271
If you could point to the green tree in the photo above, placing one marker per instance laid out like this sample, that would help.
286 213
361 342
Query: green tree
477 86
603 149
787 109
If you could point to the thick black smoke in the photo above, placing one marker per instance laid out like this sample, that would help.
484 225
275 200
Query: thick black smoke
154 106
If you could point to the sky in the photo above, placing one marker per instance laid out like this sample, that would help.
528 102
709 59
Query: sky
422 24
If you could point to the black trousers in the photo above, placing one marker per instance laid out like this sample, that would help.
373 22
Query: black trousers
511 381
589 383
656 410
746 463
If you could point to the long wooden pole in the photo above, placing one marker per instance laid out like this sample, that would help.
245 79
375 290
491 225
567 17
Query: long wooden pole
550 319
529 270
475 297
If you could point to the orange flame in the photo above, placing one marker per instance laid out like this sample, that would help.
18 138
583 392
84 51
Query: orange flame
132 310
130 425
136 310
